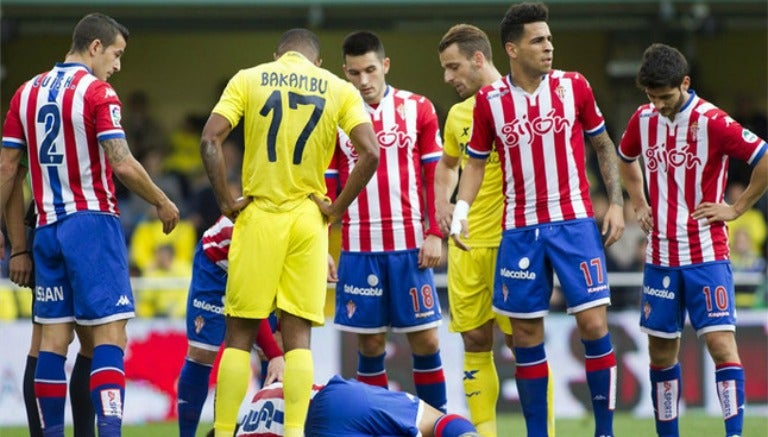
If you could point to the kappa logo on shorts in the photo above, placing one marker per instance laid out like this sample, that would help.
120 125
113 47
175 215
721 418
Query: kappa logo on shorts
123 301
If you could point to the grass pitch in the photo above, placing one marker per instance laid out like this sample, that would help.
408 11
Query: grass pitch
691 424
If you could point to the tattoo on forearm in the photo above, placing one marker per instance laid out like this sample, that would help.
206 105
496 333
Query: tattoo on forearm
609 168
116 149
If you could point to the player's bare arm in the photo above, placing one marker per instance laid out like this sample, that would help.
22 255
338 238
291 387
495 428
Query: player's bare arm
446 179
613 223
9 166
367 148
20 258
133 175
632 175
216 130
469 186
758 184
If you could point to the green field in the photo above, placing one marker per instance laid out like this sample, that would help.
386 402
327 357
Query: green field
512 425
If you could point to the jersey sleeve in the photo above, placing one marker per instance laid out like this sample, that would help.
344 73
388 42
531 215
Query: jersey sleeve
481 142
630 147
231 104
107 110
13 130
588 112
352 110
430 143
735 140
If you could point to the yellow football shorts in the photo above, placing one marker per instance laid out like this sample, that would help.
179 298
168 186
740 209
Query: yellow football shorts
470 289
278 259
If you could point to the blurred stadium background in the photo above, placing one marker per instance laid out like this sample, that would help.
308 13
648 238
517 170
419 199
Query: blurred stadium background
180 54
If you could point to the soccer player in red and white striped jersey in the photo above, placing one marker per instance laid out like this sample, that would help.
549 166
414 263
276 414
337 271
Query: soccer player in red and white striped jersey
68 120
385 267
536 117
686 142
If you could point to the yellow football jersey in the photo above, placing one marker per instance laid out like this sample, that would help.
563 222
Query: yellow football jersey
292 110
485 213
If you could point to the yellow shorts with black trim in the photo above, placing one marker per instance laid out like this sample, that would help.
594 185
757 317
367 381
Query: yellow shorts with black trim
470 289
278 260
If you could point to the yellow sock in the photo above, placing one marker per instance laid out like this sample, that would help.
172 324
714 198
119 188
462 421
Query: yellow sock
297 388
550 404
481 388
232 384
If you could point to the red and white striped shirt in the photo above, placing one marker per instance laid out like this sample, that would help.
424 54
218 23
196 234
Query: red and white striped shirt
540 141
61 116
216 240
266 412
686 163
388 214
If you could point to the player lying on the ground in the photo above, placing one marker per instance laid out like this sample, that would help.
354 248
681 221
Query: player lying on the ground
351 408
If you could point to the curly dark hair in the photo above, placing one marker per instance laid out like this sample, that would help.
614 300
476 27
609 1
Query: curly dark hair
518 16
663 66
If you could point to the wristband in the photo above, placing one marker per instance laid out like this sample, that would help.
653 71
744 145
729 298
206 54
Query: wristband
23 252
460 212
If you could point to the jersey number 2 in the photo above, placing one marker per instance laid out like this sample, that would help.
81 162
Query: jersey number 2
274 104
49 117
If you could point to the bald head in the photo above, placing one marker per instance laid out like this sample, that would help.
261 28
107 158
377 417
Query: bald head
299 40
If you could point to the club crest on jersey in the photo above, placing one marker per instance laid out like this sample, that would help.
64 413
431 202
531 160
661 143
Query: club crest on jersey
560 91
199 323
647 310
114 112
504 291
351 308
401 111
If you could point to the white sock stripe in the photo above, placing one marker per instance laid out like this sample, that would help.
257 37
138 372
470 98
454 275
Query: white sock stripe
599 356
103 369
50 381
532 363
434 369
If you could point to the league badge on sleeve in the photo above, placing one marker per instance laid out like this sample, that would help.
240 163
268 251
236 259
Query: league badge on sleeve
114 112
749 136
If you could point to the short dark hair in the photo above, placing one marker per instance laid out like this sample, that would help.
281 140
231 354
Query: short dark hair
663 66
469 39
518 16
301 40
361 42
96 26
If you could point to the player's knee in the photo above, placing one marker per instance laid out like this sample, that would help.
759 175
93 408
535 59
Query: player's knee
371 345
477 340
722 347
201 356
662 352
424 342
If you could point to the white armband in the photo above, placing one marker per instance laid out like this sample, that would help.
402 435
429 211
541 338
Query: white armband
460 212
